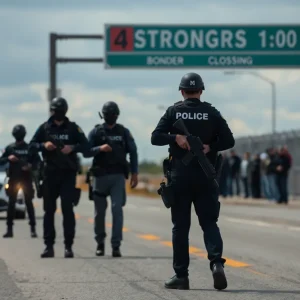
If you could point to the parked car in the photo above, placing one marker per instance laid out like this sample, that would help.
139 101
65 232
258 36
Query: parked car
20 203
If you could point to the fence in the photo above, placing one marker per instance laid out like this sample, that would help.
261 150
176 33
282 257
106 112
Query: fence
258 144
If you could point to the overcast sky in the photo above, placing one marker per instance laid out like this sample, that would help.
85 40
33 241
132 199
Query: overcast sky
25 25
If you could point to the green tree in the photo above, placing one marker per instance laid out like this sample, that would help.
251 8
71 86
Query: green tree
150 167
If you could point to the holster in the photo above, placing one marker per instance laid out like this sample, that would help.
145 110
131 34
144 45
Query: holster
166 190
167 194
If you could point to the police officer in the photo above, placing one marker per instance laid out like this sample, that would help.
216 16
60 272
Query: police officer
59 140
189 182
21 163
110 144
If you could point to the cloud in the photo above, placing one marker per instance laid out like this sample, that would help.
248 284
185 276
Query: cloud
285 115
244 101
239 127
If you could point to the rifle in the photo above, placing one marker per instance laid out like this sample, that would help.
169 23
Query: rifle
37 175
88 180
197 148
63 157
115 152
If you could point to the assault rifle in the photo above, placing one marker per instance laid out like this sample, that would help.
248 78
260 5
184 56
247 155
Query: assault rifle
197 148
64 159
88 180
115 150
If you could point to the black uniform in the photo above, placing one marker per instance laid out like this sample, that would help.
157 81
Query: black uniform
190 183
110 170
59 176
19 178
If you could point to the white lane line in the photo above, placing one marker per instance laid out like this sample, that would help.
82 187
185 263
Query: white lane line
262 224
252 222
149 208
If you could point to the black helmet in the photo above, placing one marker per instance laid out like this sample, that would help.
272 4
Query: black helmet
192 82
19 132
110 108
59 105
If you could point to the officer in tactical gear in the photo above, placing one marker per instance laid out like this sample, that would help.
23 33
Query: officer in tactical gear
110 144
21 162
189 181
59 140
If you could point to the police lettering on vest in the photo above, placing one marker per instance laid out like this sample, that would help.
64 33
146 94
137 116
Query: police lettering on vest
60 137
191 116
116 138
21 151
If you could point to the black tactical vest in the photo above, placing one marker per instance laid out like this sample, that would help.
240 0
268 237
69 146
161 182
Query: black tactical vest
67 135
114 137
200 120
21 151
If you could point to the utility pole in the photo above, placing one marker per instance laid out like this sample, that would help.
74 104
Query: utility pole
53 92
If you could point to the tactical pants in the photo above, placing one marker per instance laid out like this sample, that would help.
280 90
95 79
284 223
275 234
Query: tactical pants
59 184
28 191
114 186
188 189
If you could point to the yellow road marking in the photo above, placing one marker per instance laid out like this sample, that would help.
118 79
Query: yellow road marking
201 253
235 263
149 237
195 250
192 250
167 243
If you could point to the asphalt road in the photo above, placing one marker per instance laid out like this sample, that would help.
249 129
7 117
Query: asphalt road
261 244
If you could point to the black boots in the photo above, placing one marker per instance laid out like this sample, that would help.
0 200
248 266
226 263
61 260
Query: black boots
100 251
9 233
220 281
176 283
116 252
48 252
33 232
182 283
69 252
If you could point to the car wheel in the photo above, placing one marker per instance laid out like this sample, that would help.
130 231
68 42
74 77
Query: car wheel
20 215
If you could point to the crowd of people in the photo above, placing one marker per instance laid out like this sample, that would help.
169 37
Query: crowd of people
263 175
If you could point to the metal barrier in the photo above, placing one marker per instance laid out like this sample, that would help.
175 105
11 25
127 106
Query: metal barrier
258 144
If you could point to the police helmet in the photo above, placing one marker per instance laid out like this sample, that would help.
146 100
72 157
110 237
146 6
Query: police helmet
59 104
110 108
19 132
191 82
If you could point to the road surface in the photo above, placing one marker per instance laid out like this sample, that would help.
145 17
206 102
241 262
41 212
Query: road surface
261 244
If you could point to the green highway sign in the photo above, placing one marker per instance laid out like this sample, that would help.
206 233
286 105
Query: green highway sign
202 46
